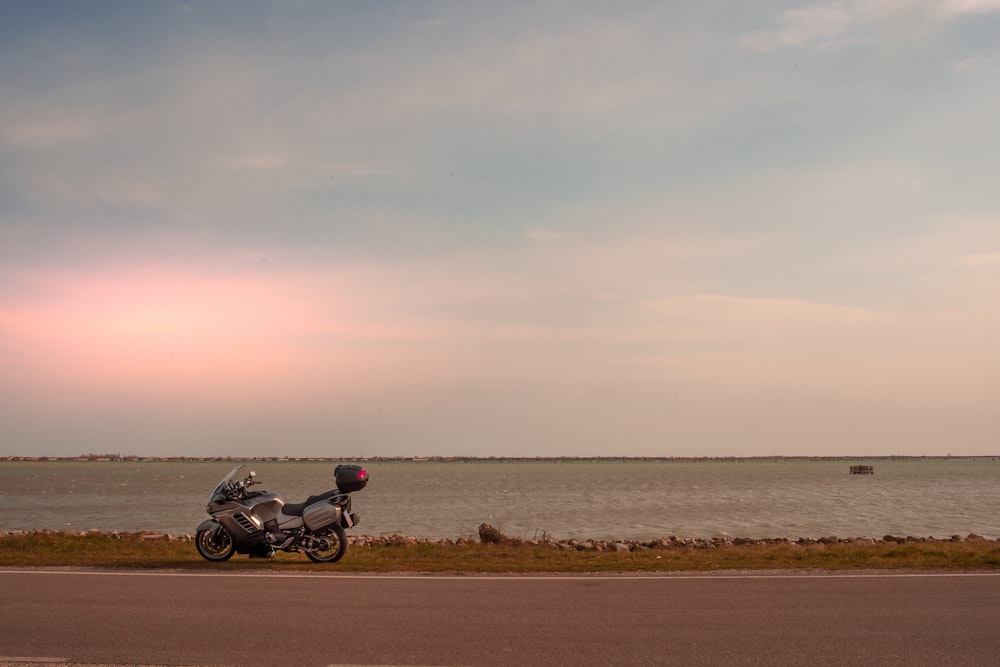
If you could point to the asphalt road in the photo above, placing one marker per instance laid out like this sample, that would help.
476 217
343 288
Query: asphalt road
267 619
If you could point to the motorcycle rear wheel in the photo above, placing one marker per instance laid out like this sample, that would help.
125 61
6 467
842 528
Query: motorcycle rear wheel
337 545
215 545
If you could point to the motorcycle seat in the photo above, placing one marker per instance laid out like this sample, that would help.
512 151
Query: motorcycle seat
295 509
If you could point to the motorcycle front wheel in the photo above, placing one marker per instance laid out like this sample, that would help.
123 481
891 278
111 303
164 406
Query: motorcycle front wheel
335 545
215 545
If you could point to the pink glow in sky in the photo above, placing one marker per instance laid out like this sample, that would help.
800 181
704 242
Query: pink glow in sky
169 355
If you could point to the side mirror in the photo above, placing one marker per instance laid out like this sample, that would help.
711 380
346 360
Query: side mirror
251 477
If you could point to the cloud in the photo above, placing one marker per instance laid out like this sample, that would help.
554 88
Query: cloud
981 259
260 161
50 130
834 24
952 8
223 129
971 63
817 25
542 234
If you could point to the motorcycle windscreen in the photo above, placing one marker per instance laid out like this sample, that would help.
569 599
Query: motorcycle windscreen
233 474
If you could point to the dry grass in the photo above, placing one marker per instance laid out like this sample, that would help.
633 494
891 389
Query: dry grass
131 551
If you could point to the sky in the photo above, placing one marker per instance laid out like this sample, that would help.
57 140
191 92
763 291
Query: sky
343 229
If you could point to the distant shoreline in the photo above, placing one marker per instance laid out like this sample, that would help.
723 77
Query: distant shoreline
118 458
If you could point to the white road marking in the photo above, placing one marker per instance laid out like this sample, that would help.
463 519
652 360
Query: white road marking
17 661
64 662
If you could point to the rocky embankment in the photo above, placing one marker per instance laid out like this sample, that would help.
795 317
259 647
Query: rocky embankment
490 535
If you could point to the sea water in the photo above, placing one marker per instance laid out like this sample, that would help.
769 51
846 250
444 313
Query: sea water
600 500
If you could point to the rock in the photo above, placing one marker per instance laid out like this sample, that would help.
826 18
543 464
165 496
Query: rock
153 537
490 535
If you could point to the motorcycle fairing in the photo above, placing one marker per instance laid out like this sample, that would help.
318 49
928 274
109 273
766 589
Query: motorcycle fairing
296 509
209 524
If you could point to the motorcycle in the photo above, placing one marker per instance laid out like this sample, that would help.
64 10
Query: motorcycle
258 523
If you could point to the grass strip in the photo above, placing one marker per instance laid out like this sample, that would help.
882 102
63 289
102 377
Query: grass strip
138 552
